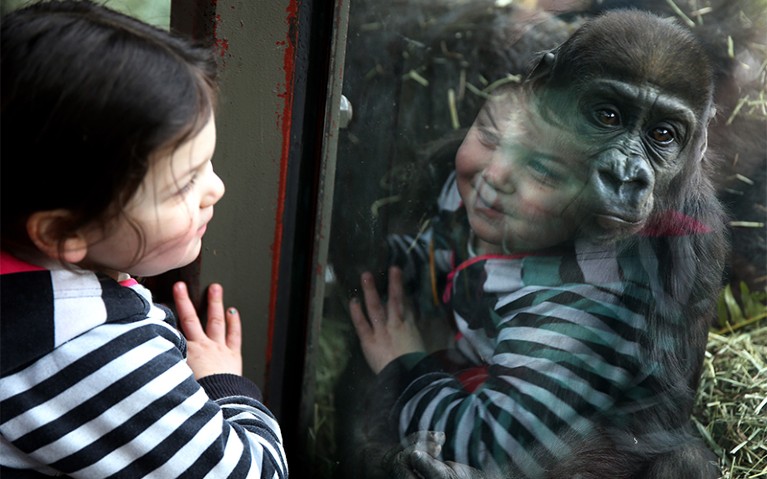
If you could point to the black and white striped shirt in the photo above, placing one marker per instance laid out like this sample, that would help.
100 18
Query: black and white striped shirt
552 343
95 384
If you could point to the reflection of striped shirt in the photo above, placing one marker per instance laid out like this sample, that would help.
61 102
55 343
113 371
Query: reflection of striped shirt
95 384
551 341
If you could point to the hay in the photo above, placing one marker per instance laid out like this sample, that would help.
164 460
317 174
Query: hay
332 359
731 408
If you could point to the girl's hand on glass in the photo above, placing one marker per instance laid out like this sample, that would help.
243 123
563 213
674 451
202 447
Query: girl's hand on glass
387 331
217 348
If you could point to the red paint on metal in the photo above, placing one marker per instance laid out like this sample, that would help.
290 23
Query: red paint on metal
285 124
221 44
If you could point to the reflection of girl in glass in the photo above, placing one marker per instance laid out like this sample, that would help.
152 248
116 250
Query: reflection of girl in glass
554 346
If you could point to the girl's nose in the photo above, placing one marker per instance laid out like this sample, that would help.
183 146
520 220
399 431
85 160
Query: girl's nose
214 191
498 172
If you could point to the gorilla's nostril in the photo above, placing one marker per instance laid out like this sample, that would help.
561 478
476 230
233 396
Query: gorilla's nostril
625 179
610 179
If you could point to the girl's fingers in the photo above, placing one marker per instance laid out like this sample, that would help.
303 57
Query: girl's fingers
225 328
396 294
373 301
216 325
360 322
187 316
233 329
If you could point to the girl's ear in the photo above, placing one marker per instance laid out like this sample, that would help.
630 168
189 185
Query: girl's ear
45 230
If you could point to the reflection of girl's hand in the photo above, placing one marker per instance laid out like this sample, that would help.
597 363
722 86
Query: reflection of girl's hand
390 331
215 350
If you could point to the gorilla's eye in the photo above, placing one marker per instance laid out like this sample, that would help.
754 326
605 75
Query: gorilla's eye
662 135
608 117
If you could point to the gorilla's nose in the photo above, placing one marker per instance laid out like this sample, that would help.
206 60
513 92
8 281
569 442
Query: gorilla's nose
624 181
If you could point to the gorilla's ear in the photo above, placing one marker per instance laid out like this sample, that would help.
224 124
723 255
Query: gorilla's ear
703 143
543 68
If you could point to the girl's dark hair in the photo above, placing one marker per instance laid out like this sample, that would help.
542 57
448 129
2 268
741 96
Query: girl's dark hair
88 96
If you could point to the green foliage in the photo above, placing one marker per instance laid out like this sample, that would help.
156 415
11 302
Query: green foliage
749 307
156 12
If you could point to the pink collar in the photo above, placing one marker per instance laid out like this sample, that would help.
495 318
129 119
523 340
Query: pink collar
10 264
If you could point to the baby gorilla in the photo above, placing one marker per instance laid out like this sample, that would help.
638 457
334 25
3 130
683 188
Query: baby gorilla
584 248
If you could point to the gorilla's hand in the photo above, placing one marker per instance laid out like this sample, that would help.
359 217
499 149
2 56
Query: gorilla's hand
417 459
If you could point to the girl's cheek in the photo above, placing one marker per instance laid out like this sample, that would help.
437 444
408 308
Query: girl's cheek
538 202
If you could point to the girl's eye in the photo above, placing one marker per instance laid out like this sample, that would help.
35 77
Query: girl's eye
488 137
608 117
187 187
662 135
544 174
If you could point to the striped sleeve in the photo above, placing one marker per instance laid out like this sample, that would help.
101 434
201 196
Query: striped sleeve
120 401
561 357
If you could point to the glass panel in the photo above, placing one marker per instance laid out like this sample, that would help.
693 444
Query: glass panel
559 251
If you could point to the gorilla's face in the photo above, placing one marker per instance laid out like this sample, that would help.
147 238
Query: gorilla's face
586 162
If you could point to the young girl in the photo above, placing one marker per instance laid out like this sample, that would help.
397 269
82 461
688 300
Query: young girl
107 139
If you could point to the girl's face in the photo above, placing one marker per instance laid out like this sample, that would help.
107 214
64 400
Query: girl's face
517 198
171 208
